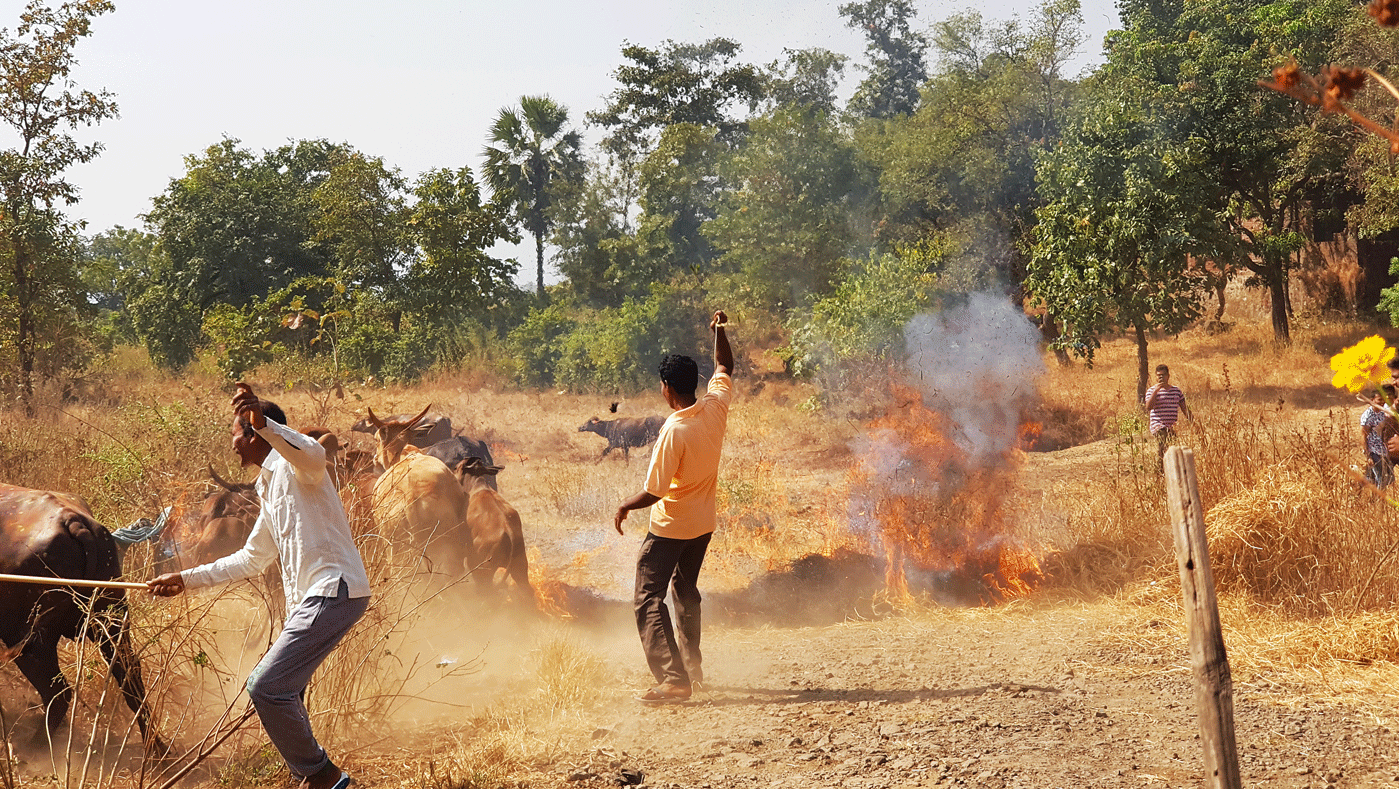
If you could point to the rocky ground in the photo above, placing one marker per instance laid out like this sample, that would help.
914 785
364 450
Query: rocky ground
1029 698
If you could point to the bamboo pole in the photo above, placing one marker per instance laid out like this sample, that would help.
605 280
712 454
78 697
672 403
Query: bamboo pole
1214 687
48 581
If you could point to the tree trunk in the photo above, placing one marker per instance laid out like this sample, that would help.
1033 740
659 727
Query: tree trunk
1143 373
24 334
1277 291
539 267
1049 332
1219 293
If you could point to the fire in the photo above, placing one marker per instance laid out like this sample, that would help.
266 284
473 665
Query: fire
938 514
1030 433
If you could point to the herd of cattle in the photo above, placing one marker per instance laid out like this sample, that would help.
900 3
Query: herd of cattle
427 490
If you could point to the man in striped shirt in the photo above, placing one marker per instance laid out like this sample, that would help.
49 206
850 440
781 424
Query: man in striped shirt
1164 404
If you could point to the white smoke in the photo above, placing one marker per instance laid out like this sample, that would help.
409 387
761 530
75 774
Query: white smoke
977 364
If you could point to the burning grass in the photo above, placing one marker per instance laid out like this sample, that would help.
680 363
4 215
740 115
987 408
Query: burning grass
934 511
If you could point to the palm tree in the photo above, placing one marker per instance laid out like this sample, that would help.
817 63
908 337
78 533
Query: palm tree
529 156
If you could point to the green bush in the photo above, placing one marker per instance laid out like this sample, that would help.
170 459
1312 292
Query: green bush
863 320
608 350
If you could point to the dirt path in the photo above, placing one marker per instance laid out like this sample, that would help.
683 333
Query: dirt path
1029 698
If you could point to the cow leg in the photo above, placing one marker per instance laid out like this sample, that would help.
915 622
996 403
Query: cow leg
38 662
115 642
519 571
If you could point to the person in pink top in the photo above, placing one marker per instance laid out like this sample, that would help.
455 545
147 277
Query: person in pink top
1164 405
681 484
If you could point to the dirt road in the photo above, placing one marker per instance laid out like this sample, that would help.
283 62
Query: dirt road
1034 697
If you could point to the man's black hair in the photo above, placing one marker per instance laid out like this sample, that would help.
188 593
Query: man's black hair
680 373
1393 362
270 410
1161 368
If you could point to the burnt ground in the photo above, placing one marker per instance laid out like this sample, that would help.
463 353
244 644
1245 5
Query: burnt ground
1030 696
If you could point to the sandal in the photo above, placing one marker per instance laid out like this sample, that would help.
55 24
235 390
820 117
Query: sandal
665 694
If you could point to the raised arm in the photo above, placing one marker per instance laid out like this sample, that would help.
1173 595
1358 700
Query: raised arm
723 354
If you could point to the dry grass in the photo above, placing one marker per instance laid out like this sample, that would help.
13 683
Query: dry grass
1307 558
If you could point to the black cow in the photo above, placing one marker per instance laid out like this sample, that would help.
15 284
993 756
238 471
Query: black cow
457 449
624 433
429 430
54 535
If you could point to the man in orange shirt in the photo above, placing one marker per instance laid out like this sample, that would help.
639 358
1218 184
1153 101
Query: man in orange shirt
681 483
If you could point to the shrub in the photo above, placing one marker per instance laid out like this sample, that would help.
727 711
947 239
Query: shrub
863 320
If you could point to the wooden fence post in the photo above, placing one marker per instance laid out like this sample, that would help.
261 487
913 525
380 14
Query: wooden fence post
1214 688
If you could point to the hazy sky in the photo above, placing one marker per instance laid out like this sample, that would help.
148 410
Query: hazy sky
417 81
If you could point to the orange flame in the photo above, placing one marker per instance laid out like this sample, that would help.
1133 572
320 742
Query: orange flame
1030 433
935 510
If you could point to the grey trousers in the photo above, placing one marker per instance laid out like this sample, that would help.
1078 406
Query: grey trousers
279 681
674 564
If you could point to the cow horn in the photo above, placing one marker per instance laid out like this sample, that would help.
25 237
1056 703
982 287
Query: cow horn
421 414
374 420
220 481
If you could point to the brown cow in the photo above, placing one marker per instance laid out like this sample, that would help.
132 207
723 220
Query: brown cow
225 521
418 501
54 535
497 536
428 429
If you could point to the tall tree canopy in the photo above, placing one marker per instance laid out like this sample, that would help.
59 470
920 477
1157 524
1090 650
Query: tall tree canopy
39 248
964 162
1201 62
786 219
531 157
699 84
896 68
1126 205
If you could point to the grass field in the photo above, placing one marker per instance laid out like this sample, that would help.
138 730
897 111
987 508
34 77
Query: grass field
1304 555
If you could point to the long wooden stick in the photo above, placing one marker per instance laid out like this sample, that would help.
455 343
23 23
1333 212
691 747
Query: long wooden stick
43 579
1214 687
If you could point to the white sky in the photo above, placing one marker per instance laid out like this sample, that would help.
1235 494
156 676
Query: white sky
417 82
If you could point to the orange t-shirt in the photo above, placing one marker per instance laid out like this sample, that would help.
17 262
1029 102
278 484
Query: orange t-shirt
685 464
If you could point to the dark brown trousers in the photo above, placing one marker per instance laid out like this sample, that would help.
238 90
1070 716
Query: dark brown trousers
674 564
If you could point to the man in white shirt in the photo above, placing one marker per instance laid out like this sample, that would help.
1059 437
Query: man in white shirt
681 483
303 523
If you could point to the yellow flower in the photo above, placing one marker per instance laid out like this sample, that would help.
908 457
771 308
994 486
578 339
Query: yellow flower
1361 364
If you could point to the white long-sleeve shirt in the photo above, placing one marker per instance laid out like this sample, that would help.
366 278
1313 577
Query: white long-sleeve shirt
302 521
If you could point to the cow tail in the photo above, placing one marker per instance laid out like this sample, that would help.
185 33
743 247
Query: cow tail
99 549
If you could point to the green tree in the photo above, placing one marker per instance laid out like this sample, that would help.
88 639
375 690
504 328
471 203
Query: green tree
1268 154
963 164
1126 207
806 78
679 188
530 157
697 84
785 221
112 261
237 226
897 68
453 229
597 255
360 218
861 322
41 104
